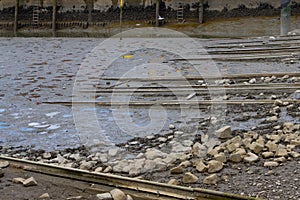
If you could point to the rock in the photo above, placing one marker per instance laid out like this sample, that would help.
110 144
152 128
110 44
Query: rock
118 194
213 151
280 160
76 157
171 126
189 178
273 97
288 127
281 153
252 81
104 196
45 196
185 164
295 142
152 154
113 152
30 182
256 147
18 180
250 157
274 137
177 170
99 169
87 165
1 173
261 140
295 154
231 147
247 142
214 166
47 155
220 157
199 150
211 180
201 167
235 157
271 164
74 198
4 164
272 146
267 154
129 197
272 119
173 182
290 107
224 133
108 169
278 102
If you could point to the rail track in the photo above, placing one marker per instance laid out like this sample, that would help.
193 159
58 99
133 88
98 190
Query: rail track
178 87
138 189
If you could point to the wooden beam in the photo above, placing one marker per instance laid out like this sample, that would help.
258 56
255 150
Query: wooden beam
16 16
54 3
285 17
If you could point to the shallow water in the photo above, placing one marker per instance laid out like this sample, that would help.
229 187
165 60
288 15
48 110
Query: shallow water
36 70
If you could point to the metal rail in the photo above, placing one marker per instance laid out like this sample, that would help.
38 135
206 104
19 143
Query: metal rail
171 102
203 77
139 189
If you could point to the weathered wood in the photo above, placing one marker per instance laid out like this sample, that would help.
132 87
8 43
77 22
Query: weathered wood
138 189
157 13
16 15
201 11
54 4
285 17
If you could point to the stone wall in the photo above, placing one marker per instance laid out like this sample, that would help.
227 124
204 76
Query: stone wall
79 5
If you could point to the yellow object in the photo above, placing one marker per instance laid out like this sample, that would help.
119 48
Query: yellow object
121 3
127 56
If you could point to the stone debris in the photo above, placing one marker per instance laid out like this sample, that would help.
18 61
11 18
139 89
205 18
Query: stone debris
104 196
211 179
74 198
189 178
118 194
251 157
224 133
177 170
18 180
30 182
200 166
173 182
214 166
271 164
4 164
44 196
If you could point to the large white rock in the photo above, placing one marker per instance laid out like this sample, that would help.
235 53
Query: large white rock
224 133
118 194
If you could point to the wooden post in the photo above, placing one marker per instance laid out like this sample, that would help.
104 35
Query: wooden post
285 17
16 16
90 7
121 17
157 13
201 11
54 3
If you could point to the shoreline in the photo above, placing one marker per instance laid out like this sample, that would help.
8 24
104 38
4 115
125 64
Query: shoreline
220 28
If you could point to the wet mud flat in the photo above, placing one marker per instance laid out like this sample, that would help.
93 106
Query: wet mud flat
36 71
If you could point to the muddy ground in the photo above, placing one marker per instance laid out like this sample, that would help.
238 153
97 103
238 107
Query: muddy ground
39 70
